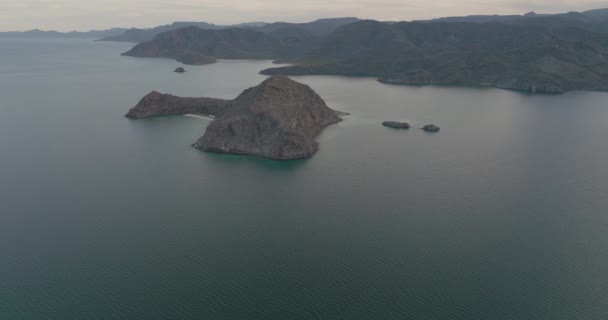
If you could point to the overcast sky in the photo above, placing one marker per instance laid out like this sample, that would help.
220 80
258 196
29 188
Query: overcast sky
65 15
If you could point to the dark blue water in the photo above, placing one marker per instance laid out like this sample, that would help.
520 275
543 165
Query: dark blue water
502 215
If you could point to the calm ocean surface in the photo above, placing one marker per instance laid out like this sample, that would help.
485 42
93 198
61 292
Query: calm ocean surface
502 215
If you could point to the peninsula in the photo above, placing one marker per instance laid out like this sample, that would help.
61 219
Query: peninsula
156 104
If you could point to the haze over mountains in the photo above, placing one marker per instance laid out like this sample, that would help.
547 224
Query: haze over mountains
136 35
321 26
590 14
36 33
141 35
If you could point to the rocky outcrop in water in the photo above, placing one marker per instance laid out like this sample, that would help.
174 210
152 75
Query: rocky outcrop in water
279 119
431 128
158 104
396 125
179 70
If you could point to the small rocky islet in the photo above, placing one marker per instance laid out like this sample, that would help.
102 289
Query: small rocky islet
278 119
405 126
396 125
431 128
179 70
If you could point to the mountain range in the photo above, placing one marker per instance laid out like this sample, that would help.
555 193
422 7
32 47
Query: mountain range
318 27
136 35
141 35
550 53
536 53
36 33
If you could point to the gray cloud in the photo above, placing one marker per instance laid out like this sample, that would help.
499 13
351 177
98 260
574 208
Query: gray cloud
67 15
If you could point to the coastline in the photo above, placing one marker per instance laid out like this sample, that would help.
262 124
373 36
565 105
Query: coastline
201 116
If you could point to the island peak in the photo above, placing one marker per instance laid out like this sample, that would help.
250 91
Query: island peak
278 119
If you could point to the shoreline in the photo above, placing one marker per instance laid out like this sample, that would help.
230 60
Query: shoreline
201 116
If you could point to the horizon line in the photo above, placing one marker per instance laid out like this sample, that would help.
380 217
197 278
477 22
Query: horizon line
284 21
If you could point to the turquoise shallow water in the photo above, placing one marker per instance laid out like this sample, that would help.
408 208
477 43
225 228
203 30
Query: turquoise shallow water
502 215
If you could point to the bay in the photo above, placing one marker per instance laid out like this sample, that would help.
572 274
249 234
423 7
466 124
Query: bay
501 215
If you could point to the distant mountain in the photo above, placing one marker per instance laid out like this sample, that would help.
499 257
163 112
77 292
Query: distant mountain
549 23
142 35
135 35
484 18
55 34
318 27
193 45
593 19
598 15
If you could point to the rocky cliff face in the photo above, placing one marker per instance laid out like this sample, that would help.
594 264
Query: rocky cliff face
279 119
158 104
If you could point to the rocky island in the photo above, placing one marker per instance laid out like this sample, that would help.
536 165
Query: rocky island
431 128
278 119
396 125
